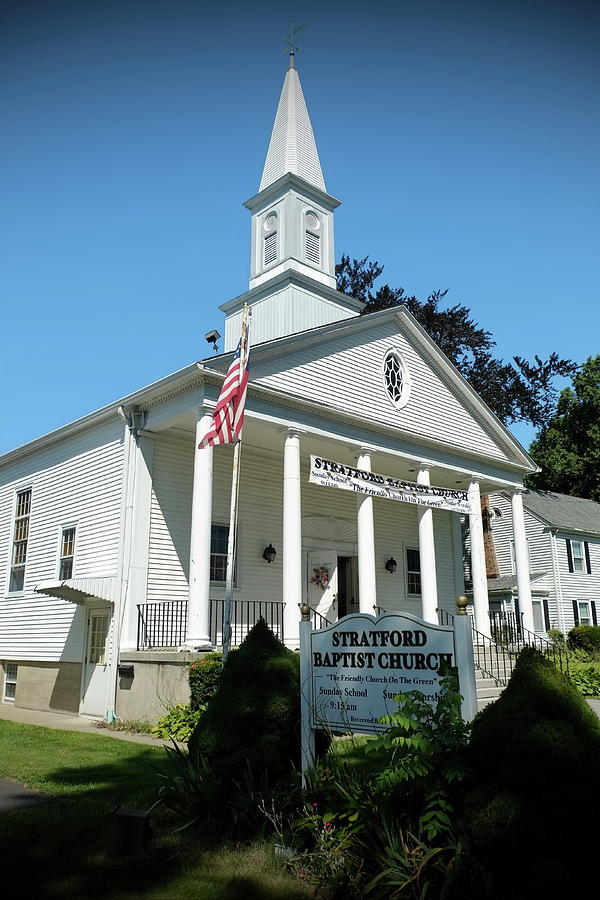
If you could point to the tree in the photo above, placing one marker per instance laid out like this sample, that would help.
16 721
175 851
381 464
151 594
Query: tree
568 449
514 391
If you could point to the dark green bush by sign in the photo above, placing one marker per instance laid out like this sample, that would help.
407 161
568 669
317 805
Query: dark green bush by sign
252 723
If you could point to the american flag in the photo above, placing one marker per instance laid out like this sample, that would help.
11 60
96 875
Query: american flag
228 417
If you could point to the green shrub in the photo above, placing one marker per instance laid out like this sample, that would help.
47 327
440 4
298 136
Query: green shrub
252 723
380 817
533 755
178 723
584 637
205 675
585 674
557 638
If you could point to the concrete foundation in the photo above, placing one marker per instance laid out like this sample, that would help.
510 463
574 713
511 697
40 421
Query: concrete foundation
51 685
160 679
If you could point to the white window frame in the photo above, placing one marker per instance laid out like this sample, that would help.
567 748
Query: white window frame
221 581
579 559
404 397
20 490
9 678
61 530
413 572
588 615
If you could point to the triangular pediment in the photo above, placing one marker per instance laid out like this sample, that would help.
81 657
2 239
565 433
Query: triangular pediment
341 367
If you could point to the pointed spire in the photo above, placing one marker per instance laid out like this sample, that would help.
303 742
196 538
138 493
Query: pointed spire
292 146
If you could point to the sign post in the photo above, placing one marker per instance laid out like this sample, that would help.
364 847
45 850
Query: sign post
307 734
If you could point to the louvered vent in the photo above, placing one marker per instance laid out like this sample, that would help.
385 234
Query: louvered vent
313 248
270 248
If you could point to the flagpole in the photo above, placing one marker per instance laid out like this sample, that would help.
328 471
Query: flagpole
233 511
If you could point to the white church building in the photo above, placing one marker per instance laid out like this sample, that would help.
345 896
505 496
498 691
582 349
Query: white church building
113 529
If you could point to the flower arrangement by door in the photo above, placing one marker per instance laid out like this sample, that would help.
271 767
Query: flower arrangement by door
320 577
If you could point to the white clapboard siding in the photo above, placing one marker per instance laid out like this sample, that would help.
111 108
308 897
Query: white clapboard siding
74 482
260 523
578 585
347 375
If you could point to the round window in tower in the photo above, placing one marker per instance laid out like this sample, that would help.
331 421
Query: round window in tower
270 223
396 378
312 220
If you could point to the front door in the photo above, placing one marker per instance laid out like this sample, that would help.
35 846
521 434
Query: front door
95 674
347 585
322 582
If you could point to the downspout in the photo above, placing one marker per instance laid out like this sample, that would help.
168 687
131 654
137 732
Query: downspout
557 583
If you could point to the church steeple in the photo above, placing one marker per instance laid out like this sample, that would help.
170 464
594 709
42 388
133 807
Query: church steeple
292 268
292 214
292 147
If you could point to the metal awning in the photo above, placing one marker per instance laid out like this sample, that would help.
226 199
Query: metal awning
78 590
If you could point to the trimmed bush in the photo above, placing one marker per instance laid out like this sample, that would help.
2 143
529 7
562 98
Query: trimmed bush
252 724
584 637
205 675
533 755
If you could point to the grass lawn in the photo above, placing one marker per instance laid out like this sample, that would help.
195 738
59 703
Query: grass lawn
63 849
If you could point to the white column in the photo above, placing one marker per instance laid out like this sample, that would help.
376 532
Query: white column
478 570
522 560
292 539
198 629
429 600
138 540
367 585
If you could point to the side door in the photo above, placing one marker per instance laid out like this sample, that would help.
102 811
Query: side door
322 582
95 675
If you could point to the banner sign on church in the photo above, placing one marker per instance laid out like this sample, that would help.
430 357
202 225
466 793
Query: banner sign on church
328 473
359 664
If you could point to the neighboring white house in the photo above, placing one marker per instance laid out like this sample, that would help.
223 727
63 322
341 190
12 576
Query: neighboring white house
113 529
563 541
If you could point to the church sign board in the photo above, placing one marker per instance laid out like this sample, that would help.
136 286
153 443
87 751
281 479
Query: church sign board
328 473
360 663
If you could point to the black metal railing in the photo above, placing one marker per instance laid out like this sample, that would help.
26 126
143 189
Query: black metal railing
164 625
318 621
496 656
506 627
161 625
245 614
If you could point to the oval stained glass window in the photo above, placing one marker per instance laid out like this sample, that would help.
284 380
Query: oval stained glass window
396 378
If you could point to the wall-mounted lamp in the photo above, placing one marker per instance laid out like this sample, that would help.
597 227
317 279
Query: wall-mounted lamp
269 553
391 565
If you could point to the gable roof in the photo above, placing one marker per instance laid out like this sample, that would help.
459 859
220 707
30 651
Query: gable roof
563 511
304 363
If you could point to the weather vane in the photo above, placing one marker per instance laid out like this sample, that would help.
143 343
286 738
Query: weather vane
290 39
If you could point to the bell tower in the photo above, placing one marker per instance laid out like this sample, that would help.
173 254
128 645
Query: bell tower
292 261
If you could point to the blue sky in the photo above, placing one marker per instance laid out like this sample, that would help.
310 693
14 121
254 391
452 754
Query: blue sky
463 140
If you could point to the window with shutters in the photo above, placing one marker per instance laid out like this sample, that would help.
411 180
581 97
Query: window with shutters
313 248
312 237
413 571
20 541
270 238
584 612
10 682
577 559
67 553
